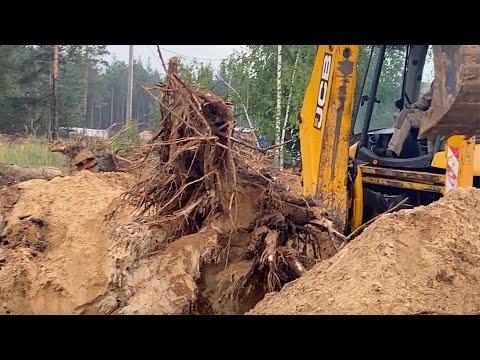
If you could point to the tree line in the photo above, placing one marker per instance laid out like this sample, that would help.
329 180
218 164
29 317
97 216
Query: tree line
267 84
92 92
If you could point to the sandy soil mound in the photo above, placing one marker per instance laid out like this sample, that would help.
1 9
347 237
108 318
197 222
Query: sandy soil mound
184 276
424 260
59 255
53 242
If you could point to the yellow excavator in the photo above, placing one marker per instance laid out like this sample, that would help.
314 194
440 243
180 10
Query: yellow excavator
352 182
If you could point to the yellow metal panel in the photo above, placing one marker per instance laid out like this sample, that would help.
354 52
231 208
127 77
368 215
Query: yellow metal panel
440 160
352 150
311 134
325 124
403 184
415 176
357 201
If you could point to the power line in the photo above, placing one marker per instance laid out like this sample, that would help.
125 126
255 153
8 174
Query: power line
192 57
155 55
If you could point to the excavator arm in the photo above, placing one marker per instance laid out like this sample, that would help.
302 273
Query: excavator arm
325 123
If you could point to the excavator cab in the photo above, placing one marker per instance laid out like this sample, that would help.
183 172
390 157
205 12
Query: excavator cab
395 76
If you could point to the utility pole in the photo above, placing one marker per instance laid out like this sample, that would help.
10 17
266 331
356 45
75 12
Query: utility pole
130 86
85 87
54 122
111 109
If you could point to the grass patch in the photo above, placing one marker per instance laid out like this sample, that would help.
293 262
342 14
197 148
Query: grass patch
31 152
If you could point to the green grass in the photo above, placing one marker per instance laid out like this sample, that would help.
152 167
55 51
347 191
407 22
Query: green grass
31 152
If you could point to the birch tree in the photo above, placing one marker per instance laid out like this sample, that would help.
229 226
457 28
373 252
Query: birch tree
287 111
279 103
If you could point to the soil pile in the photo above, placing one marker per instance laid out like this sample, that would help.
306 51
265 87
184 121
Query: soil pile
53 242
59 255
419 261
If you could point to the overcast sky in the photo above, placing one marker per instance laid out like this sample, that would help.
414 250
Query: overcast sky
214 53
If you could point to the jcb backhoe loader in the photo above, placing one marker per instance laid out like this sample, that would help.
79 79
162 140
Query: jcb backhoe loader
353 182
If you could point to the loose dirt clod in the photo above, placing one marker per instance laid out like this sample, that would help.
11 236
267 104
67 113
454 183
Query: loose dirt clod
419 261
89 153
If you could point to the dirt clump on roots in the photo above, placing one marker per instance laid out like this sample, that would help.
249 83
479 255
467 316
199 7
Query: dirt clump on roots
92 153
419 261
239 230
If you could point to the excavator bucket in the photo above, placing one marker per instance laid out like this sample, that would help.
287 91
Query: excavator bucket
455 108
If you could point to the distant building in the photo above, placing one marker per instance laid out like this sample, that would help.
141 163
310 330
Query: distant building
240 129
101 134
